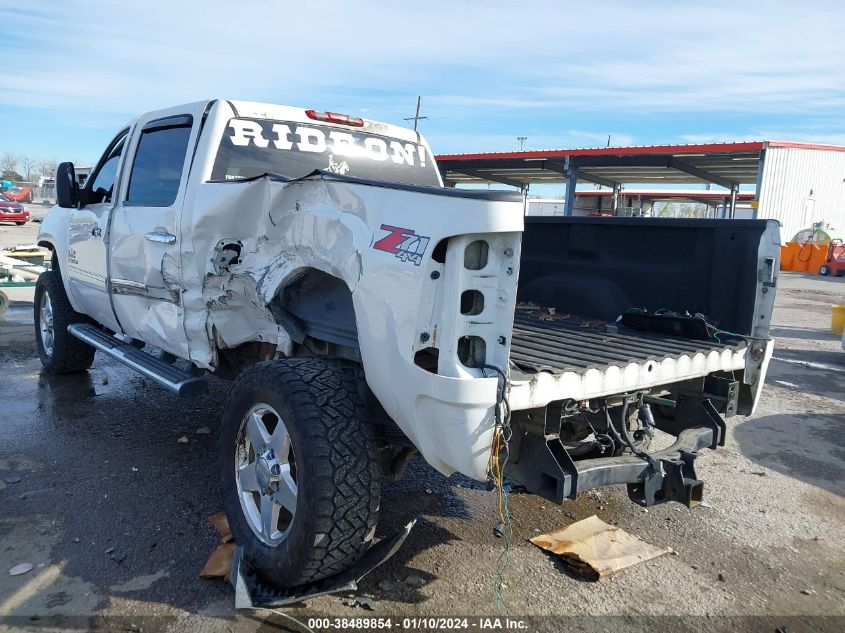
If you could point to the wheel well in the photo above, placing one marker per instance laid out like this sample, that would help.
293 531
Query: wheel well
316 310
54 258
316 305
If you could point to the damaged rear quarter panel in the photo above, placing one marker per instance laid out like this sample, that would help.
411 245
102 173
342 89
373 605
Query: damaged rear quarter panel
332 226
282 228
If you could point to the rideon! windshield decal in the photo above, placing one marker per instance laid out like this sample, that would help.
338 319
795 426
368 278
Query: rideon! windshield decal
252 147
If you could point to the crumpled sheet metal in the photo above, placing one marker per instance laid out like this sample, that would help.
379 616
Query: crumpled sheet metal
594 549
284 227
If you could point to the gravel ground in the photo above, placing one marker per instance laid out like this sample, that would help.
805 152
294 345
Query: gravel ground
97 493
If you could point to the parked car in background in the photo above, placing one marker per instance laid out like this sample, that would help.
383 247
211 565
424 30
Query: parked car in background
12 211
19 194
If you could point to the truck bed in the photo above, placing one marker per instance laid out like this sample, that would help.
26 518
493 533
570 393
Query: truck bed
570 344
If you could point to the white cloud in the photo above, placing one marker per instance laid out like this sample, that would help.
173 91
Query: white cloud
95 62
608 56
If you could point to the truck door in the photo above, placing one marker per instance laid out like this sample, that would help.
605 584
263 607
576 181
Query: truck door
144 236
86 265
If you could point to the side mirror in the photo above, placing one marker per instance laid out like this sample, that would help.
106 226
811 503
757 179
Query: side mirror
67 188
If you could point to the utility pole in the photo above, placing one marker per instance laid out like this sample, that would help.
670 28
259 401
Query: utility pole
416 118
608 141
521 140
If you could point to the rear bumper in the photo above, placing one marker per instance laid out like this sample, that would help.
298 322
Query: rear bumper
544 466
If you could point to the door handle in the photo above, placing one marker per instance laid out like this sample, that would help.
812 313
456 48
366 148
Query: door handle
161 238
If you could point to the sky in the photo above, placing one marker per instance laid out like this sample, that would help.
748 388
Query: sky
563 74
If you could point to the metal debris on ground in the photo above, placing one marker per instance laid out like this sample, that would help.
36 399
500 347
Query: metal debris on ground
594 549
21 568
251 593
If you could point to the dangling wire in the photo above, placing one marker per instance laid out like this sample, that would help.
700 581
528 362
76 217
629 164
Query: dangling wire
499 454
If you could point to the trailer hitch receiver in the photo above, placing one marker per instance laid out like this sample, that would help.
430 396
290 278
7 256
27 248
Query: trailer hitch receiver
675 482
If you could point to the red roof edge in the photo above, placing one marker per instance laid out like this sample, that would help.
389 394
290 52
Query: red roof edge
794 145
742 146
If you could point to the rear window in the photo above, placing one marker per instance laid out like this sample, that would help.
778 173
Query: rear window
253 147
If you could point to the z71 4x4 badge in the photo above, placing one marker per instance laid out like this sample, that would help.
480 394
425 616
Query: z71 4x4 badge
404 243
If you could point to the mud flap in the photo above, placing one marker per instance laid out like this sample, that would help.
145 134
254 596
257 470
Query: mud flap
250 592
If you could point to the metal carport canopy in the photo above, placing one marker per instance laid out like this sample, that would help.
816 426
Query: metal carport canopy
725 164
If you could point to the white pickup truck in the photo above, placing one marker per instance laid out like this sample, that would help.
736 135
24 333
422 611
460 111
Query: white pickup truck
368 314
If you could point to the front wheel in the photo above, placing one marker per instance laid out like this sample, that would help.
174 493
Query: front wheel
60 351
300 474
824 271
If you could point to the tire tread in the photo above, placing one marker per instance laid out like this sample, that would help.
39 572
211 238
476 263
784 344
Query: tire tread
70 355
343 458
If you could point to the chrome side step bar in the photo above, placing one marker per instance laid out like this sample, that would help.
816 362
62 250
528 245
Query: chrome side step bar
170 377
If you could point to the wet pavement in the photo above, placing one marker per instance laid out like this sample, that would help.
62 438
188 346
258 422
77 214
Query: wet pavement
112 510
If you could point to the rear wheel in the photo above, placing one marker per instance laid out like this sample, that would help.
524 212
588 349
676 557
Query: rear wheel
824 271
59 350
300 474
20 223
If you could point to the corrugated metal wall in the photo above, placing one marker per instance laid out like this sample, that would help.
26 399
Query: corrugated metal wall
802 186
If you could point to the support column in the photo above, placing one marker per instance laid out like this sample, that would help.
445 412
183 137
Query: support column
734 192
614 206
572 173
760 167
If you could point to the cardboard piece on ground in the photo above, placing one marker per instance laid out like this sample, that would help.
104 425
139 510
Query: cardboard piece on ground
594 549
221 524
219 564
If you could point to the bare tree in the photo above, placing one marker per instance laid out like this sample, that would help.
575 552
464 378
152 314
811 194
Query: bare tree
9 162
30 167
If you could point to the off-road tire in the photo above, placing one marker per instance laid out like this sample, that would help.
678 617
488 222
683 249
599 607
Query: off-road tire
69 355
338 473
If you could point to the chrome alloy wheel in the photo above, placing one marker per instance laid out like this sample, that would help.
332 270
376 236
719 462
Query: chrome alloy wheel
265 471
45 324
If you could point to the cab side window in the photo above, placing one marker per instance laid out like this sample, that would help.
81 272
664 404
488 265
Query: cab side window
102 186
159 159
